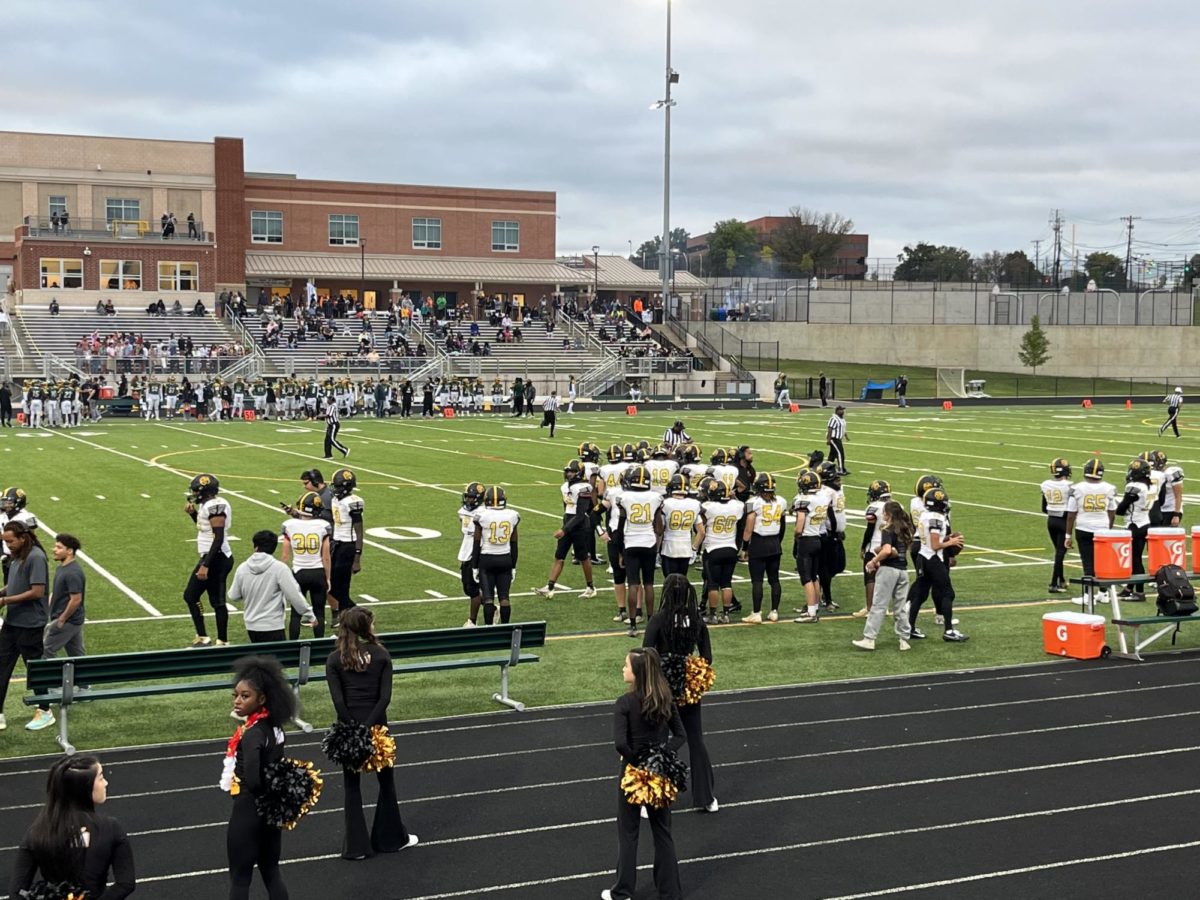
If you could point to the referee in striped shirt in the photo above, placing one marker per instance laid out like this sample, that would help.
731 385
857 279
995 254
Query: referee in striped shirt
550 412
835 435
333 424
676 435
1173 401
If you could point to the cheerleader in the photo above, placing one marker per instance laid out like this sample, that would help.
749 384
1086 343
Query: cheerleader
69 842
678 629
762 542
263 698
359 674
644 717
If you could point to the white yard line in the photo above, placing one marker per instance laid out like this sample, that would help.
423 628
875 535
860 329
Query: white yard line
107 575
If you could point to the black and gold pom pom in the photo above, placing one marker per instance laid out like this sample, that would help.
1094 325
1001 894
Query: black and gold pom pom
291 787
348 744
698 678
383 750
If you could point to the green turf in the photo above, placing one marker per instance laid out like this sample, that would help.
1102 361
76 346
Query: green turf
120 488
922 382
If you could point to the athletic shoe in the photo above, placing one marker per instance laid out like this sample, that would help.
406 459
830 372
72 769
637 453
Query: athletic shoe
773 616
201 641
829 605
865 644
954 637
905 645
588 593
3 723
709 619
860 613
917 635
1126 594
753 618
220 643
713 807
43 718
547 592
644 814
1136 597
723 617
621 616
735 606
346 453
806 618
413 840
800 609
939 620
1056 589
469 624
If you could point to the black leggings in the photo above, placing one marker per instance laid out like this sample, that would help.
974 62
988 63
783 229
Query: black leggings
312 583
616 554
341 566
700 778
250 842
214 586
675 565
1057 526
388 833
1139 546
936 574
639 565
769 566
721 563
495 575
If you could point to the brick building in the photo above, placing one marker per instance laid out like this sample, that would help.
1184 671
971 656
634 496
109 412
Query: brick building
849 259
81 219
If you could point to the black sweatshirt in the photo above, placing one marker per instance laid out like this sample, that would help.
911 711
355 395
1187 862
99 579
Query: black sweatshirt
364 696
655 637
108 848
633 733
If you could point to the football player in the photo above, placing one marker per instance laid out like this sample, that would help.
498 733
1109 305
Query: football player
612 531
258 391
641 509
33 405
214 519
1171 496
171 396
610 472
496 549
1055 492
661 467
345 555
577 500
680 514
1091 507
724 471
468 563
810 506
916 506
717 535
153 400
238 408
12 509
1135 507
833 551
879 492
690 464
66 402
306 546
936 541
589 455
762 542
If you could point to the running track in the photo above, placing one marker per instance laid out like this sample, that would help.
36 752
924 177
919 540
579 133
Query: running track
1055 780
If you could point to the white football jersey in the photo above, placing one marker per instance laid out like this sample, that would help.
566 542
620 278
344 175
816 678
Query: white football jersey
612 496
721 522
815 509
345 511
916 506
768 515
498 527
1138 514
638 509
836 522
874 514
22 515
680 515
694 472
1174 476
611 473
571 493
727 475
661 471
306 537
466 522
1091 501
209 509
926 525
1056 492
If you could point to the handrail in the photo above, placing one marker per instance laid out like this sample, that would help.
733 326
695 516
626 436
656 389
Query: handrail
589 336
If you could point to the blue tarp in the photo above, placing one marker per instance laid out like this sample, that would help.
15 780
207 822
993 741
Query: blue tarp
874 389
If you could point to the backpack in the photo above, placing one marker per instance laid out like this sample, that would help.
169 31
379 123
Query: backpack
1176 596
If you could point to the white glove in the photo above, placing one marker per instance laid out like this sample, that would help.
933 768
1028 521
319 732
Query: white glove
475 574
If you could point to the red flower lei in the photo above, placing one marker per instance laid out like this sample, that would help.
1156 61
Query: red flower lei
231 750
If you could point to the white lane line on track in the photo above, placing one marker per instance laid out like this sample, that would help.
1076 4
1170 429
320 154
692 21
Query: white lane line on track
107 575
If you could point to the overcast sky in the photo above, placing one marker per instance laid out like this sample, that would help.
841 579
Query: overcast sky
960 122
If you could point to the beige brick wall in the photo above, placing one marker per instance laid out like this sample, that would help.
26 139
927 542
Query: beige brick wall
23 150
10 208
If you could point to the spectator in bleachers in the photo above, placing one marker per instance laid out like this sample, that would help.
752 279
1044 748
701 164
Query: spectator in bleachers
192 233
198 309
54 300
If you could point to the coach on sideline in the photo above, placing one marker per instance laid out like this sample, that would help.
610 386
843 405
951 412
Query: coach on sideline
265 584
835 434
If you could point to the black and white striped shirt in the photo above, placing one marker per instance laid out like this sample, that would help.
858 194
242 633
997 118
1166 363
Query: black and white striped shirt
673 438
550 404
1175 400
331 412
837 427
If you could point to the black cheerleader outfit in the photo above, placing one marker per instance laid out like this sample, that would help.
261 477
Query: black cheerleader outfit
249 841
701 778
107 848
363 698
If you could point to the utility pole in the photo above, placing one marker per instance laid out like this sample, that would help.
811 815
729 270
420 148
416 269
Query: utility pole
1037 256
1129 220
1056 224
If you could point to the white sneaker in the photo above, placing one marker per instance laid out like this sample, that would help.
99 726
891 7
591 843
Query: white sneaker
588 593
43 718
3 723
644 814
940 620
621 616
546 592
753 618
773 616
469 624
413 840
860 613
905 645
713 807
201 641
864 644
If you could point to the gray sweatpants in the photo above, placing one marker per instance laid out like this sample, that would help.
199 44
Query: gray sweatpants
69 636
891 591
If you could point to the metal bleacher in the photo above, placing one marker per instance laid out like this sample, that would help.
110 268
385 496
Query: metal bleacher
539 353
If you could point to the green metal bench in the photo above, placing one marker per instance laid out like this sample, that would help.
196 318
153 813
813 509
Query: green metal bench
163 672
1130 645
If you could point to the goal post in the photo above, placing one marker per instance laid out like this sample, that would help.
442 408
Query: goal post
951 382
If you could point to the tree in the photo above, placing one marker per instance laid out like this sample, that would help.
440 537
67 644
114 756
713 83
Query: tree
1006 268
1035 346
1107 270
929 262
805 233
648 250
1190 271
732 247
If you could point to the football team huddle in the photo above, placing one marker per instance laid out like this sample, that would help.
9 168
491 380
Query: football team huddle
660 506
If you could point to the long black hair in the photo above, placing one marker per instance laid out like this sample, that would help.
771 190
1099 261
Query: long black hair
650 685
265 675
54 837
680 613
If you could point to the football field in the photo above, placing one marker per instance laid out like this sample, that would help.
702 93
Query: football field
119 486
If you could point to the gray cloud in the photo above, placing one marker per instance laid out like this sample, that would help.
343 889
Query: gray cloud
960 123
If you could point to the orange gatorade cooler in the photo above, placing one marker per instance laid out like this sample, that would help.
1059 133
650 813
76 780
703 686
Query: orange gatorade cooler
1074 634
1168 547
1114 554
1195 547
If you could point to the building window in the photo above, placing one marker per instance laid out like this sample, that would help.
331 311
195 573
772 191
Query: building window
266 227
427 234
64 274
120 275
506 236
178 276
119 210
343 231
58 205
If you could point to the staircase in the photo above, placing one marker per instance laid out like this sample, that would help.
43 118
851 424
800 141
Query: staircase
538 354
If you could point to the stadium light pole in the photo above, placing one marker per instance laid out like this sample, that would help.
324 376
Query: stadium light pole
362 273
595 274
665 104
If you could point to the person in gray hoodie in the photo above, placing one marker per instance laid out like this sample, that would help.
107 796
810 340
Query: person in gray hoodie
267 587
